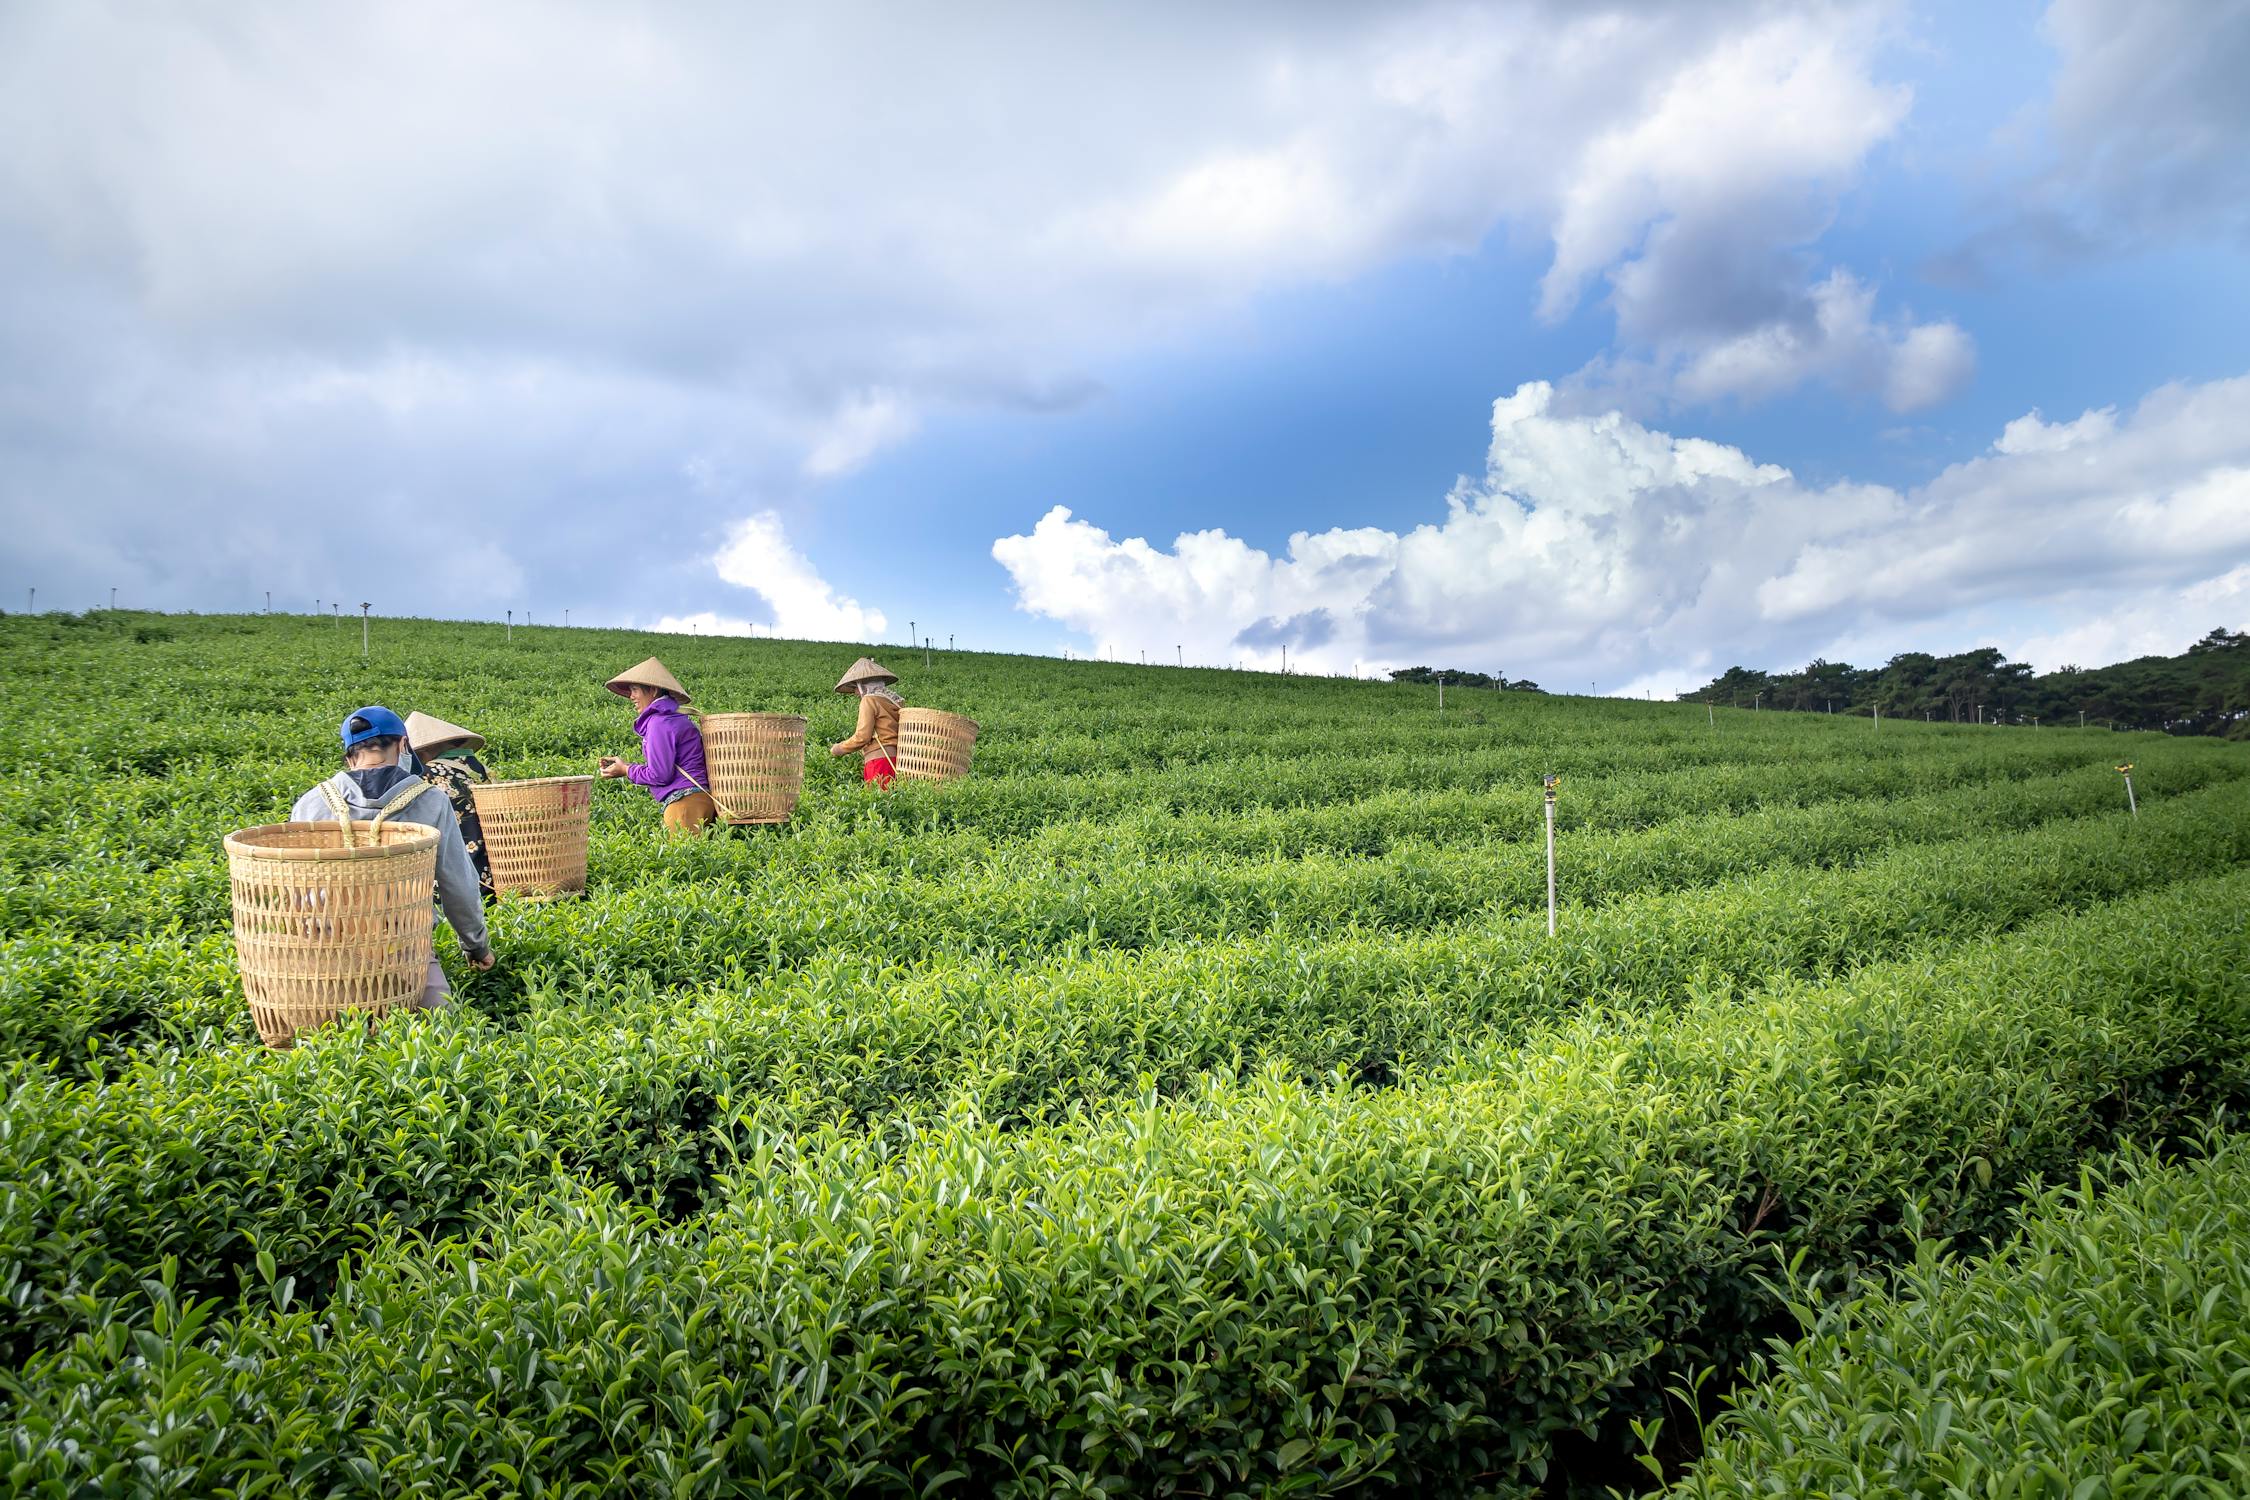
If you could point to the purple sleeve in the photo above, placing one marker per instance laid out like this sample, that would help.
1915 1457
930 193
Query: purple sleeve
663 750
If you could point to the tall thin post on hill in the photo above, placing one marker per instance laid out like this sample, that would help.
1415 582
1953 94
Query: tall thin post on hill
2126 771
363 609
1441 693
1710 716
511 627
1549 784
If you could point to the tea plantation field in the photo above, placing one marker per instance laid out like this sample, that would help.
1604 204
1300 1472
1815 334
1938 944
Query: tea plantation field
1191 1102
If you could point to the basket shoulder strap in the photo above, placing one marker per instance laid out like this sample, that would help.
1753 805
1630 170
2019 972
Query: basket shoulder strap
343 812
408 790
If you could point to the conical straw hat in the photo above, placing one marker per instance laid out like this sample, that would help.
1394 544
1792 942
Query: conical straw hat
866 669
650 673
429 732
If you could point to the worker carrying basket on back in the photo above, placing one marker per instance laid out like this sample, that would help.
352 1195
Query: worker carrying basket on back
445 756
672 744
876 736
373 786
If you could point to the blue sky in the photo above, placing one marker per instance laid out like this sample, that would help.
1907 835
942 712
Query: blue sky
715 317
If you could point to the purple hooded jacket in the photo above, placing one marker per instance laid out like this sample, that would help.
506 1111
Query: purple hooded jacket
673 747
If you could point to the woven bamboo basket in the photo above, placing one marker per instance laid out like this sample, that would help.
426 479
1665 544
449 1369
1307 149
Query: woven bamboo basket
757 765
535 834
934 746
323 932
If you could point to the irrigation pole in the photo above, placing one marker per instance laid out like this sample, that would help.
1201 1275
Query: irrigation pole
511 627
1710 716
2126 771
1549 784
363 609
1441 693
113 601
925 652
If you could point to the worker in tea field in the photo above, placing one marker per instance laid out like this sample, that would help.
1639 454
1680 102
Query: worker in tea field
671 745
876 736
372 784
445 757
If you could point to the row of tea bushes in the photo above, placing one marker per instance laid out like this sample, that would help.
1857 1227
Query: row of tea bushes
202 1157
910 903
2105 1352
148 857
1264 1287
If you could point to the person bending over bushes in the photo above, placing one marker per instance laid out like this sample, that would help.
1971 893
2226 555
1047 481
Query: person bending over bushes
876 735
373 782
445 756
674 773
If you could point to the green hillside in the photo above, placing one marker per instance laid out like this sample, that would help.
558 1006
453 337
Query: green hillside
1192 1101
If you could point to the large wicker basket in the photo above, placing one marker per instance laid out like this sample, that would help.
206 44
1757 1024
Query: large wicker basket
323 932
757 765
934 746
535 834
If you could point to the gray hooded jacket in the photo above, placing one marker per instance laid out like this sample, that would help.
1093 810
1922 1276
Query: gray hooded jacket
365 792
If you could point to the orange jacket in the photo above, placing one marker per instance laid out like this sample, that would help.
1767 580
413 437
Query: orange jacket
877 733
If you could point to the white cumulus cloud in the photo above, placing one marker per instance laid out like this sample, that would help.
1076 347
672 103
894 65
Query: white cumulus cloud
759 557
1596 548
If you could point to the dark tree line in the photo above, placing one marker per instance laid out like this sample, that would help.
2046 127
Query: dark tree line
1455 678
2205 690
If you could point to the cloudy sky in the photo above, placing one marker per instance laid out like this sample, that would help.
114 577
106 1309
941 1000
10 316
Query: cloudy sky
1600 345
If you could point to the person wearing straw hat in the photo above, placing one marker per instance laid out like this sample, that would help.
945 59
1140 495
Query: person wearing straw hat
876 736
445 756
671 744
373 783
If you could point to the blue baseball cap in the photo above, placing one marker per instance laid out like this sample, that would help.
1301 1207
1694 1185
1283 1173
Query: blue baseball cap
373 723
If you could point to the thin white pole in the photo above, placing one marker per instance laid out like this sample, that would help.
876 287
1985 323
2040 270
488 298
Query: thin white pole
2131 803
1441 695
511 627
363 609
1549 784
1710 716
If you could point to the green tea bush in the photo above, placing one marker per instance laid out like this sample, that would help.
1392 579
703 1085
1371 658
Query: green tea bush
203 1155
1196 1082
2106 1351
1265 1286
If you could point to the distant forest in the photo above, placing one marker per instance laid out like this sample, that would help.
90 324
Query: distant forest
2204 691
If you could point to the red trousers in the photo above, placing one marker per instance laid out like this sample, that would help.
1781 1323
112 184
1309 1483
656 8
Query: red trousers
877 770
